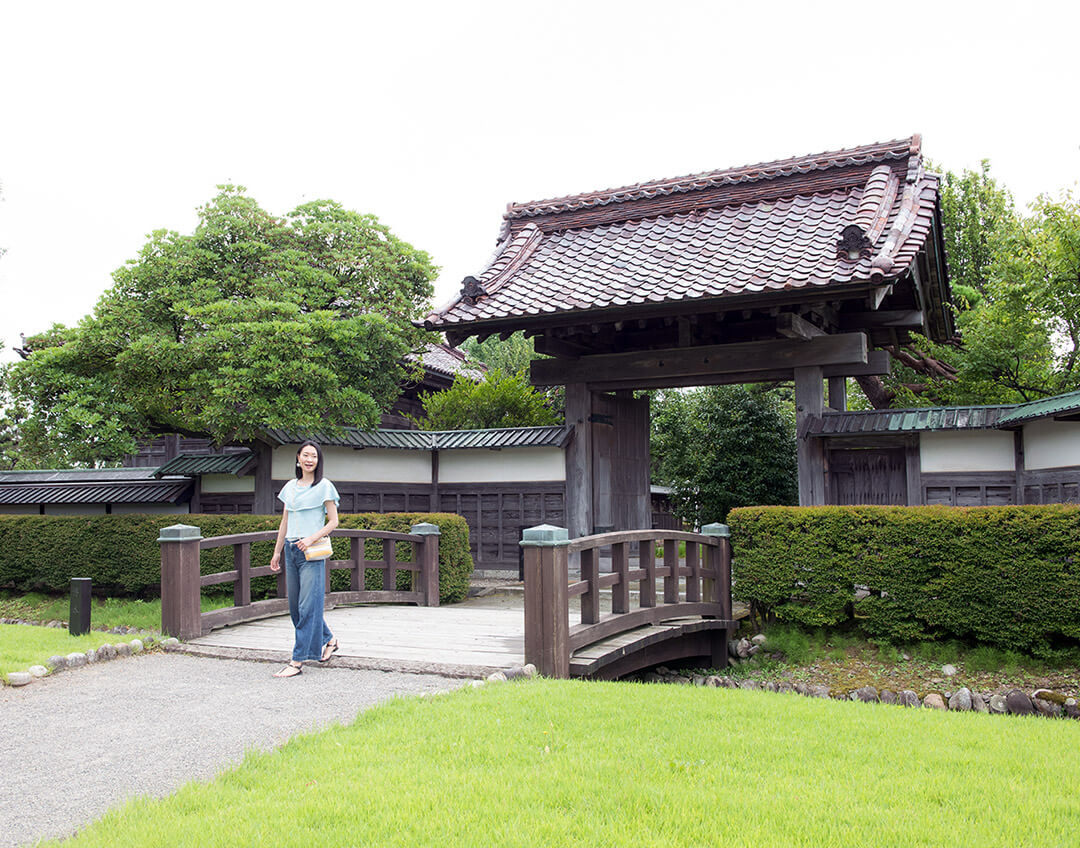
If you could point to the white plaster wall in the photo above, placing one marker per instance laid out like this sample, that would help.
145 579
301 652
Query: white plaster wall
1051 444
967 450
509 465
151 509
215 483
369 465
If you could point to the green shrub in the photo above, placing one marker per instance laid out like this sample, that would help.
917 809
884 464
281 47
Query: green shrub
1003 576
121 554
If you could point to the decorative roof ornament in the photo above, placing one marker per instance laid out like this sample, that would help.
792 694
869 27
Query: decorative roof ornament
471 290
853 242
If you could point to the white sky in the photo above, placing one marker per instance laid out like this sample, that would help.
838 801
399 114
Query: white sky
120 118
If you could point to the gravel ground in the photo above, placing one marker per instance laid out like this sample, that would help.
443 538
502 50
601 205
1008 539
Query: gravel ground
79 743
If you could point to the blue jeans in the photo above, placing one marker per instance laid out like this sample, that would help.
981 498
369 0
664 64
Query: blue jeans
306 584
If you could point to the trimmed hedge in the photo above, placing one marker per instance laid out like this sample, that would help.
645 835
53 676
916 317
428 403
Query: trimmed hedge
1005 576
121 554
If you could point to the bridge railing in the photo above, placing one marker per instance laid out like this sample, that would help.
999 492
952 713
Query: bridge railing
698 586
182 581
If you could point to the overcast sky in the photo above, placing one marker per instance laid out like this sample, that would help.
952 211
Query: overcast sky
120 118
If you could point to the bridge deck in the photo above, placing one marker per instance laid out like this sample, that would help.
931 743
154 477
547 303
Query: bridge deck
471 639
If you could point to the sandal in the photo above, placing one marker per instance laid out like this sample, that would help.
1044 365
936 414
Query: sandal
329 649
289 671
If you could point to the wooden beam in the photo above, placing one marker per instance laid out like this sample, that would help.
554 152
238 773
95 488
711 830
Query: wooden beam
854 321
705 363
878 294
558 347
791 326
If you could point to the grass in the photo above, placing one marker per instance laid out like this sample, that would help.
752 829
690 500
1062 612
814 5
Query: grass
23 645
105 613
597 764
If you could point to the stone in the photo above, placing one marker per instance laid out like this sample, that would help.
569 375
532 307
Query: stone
753 649
742 649
961 700
19 678
476 684
136 646
866 694
173 642
91 656
1072 710
497 677
123 649
106 652
997 705
529 669
907 657
698 679
785 688
729 683
748 684
1018 703
908 698
1048 703
888 696
978 703
948 670
38 671
819 692
76 660
760 639
652 677
514 672
934 701
733 648
58 663
713 681
801 688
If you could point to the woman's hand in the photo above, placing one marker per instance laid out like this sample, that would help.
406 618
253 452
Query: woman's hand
305 543
275 561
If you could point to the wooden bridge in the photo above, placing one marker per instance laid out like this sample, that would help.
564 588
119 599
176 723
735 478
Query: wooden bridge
646 610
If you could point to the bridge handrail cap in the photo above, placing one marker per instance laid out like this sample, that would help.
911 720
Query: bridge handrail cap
425 529
179 533
545 536
715 529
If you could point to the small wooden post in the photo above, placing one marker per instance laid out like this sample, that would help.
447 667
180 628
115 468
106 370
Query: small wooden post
180 591
242 565
720 560
620 592
428 549
647 561
547 611
590 573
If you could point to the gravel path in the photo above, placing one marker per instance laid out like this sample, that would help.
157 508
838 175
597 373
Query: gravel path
76 744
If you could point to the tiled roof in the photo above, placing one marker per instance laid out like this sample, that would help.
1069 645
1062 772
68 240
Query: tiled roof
505 437
1046 408
448 361
190 464
132 491
773 227
862 422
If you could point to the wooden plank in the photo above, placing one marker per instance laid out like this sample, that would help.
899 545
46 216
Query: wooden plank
620 592
791 326
675 363
671 567
605 539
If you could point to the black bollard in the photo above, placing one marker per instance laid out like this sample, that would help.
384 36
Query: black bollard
79 616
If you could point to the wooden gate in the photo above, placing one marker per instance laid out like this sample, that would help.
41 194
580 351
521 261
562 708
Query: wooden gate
620 463
867 476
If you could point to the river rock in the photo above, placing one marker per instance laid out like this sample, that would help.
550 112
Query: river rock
961 699
759 639
19 678
1048 703
713 681
1018 703
753 649
934 701
785 688
948 670
1072 710
58 662
136 646
909 699
729 683
106 652
748 684
91 656
742 648
998 705
38 671
76 660
819 692
123 650
978 703
173 642
528 669
867 694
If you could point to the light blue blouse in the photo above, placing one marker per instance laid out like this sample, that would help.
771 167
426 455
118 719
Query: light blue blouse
305 506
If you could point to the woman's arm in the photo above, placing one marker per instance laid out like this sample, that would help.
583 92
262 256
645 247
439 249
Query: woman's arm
329 527
275 560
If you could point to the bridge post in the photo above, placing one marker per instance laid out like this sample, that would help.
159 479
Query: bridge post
547 610
180 607
720 592
429 561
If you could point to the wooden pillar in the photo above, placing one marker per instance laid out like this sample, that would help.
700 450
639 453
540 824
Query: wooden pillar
429 561
547 610
579 477
838 393
1018 453
809 403
264 482
433 502
719 559
180 607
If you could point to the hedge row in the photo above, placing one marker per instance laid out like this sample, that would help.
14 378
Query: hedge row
1004 576
121 554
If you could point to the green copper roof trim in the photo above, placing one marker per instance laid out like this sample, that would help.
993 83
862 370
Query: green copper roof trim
1045 408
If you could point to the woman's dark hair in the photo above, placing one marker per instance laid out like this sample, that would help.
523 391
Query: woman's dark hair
318 465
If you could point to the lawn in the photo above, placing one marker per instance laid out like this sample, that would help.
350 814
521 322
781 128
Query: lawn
547 763
22 645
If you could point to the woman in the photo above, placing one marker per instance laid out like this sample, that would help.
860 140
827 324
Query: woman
310 513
